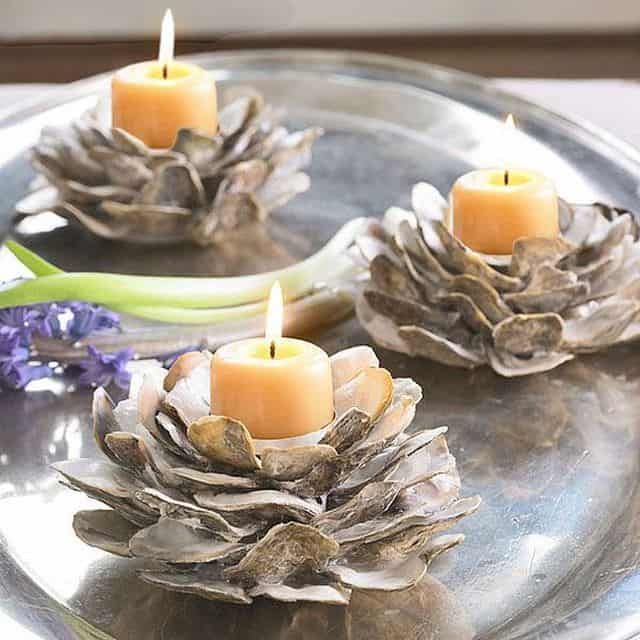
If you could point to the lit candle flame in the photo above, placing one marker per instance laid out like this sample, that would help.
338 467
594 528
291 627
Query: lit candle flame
510 127
167 39
275 312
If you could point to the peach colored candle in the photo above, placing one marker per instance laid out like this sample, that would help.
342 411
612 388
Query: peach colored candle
154 100
277 387
490 209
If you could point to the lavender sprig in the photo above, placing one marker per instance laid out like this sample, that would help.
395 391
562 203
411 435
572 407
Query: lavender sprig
68 321
100 369
88 318
15 369
37 319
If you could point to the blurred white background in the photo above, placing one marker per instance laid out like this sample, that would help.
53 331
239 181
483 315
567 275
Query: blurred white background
111 19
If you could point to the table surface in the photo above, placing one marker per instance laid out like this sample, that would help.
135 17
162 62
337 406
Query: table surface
610 104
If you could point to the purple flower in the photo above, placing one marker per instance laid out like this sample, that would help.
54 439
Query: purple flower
100 369
47 320
15 370
88 318
40 319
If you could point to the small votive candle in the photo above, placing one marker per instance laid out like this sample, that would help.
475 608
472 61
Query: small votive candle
154 100
492 208
277 387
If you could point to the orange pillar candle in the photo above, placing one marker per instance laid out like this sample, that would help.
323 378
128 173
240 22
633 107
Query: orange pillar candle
277 387
492 208
154 100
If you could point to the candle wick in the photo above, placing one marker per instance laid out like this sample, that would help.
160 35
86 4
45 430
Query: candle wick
506 176
272 349
165 71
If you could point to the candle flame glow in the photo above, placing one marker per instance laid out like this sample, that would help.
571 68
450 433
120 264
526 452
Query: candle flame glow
275 312
508 145
167 39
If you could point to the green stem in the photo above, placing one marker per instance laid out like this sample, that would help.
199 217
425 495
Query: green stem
177 315
125 291
37 265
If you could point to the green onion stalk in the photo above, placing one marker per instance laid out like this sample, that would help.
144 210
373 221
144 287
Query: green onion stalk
180 300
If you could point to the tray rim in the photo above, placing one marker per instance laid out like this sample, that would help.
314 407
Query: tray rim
59 614
380 62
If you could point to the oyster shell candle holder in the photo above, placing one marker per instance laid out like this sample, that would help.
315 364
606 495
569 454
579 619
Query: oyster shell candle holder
362 508
431 296
197 191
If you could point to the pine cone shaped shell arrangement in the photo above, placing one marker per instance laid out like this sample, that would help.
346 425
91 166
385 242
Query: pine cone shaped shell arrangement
431 296
197 191
362 508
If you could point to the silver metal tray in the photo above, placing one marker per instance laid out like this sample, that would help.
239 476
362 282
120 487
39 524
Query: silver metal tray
554 552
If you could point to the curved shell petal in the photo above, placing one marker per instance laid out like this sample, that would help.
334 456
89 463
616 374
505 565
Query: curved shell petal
403 311
484 295
86 474
428 203
265 504
113 229
533 252
104 529
126 142
348 363
284 551
204 480
38 201
325 593
602 326
233 116
373 500
200 149
104 421
276 191
177 441
392 280
509 366
175 541
350 428
179 508
224 441
174 184
294 462
468 311
421 342
398 416
370 392
465 261
399 576
128 449
383 464
189 398
528 334
318 481
400 535
440 544
123 169
432 494
204 581
182 367
423 463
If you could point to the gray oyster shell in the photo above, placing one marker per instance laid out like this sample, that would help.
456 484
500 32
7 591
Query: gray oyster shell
199 191
205 514
429 296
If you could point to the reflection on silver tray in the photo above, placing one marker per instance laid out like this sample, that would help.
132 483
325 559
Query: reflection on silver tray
553 553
